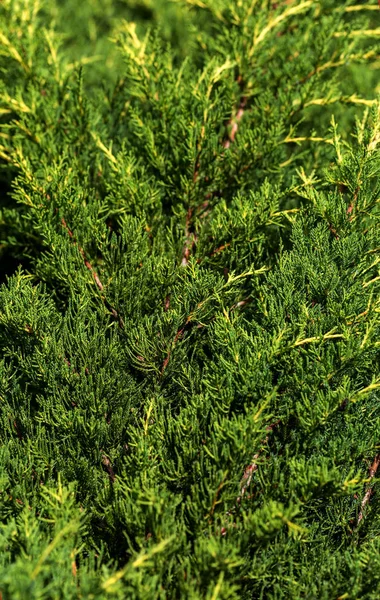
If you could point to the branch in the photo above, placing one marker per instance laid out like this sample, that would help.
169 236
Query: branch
177 336
86 261
252 467
372 472
234 123
191 236
94 274
108 467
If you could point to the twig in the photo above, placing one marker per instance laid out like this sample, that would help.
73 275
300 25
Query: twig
177 336
86 261
333 231
234 123
241 303
252 467
247 476
372 472
220 249
107 464
94 274
182 330
190 239
191 236
354 199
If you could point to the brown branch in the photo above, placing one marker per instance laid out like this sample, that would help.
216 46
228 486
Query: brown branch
220 249
86 261
354 199
94 274
74 568
190 236
241 303
182 330
372 472
247 476
234 123
333 231
252 467
107 464
177 336
190 239
215 500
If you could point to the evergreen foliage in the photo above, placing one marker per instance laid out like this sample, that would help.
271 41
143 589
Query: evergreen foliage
189 306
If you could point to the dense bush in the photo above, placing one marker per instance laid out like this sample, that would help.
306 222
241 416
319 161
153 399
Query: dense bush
189 306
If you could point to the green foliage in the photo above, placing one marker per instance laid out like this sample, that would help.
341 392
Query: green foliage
189 299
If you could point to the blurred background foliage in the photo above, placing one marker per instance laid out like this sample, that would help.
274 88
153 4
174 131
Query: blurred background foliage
88 28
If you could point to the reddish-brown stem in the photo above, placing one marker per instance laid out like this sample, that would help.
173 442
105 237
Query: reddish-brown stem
189 241
107 464
74 568
354 199
181 331
241 303
177 336
248 473
247 476
94 274
252 467
372 472
215 501
333 231
220 249
234 123
86 261
216 251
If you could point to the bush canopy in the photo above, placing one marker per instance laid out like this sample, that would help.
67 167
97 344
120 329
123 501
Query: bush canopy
189 299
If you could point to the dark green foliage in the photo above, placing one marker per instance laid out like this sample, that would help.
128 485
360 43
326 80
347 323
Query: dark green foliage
189 306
